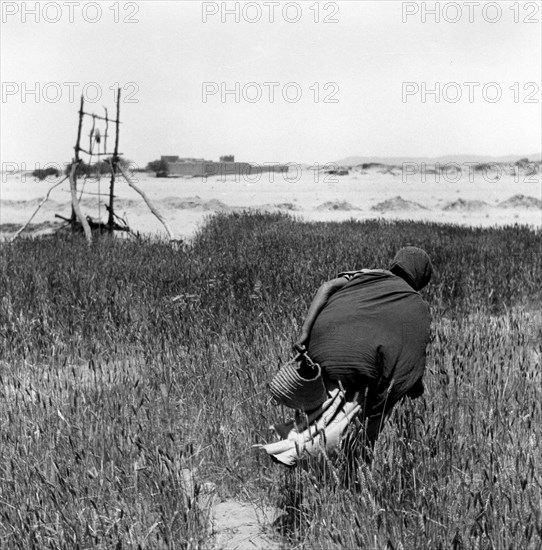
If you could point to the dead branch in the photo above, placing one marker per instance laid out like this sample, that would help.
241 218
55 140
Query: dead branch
38 208
147 200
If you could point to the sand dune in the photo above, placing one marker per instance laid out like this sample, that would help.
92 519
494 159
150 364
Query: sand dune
335 205
126 204
281 207
397 203
521 201
462 205
33 229
23 204
193 203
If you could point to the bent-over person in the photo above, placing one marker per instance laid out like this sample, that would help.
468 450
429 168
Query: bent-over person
368 330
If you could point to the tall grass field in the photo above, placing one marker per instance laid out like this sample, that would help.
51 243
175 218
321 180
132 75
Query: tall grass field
127 363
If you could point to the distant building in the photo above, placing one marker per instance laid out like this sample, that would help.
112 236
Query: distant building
175 166
170 158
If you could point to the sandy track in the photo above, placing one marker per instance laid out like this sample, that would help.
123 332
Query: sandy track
242 526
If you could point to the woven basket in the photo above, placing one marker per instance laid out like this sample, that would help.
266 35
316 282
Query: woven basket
293 390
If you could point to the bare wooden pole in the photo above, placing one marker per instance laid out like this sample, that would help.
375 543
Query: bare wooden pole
148 201
106 130
114 167
117 123
75 204
77 160
90 138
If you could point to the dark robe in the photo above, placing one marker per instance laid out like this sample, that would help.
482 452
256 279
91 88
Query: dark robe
373 334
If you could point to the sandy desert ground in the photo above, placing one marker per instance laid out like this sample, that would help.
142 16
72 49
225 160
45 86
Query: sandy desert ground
480 200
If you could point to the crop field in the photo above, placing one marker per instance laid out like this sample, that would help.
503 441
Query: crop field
128 363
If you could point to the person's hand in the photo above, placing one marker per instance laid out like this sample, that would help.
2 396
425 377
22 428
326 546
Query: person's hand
299 344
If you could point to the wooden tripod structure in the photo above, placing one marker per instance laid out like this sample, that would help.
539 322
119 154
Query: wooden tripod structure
116 168
77 215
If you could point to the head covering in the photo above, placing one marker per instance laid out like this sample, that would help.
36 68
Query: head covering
414 265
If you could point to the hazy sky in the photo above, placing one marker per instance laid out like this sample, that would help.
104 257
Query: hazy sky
349 78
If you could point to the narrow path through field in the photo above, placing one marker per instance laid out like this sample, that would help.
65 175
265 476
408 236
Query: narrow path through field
242 526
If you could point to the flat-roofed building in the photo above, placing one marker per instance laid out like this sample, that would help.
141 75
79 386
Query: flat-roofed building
193 167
